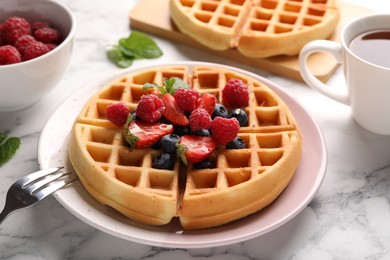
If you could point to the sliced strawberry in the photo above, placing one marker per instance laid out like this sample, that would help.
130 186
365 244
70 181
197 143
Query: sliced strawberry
207 102
192 148
140 134
172 111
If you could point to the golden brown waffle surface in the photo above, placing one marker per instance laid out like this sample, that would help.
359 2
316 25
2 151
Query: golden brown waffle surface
242 182
257 28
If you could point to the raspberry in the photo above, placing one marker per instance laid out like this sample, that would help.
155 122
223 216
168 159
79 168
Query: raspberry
150 108
186 99
35 50
47 35
9 55
117 113
13 28
24 41
1 38
224 130
200 119
39 25
51 46
235 94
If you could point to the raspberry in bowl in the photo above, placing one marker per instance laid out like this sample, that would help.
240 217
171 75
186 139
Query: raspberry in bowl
36 43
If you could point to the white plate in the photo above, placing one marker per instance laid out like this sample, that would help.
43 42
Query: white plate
52 151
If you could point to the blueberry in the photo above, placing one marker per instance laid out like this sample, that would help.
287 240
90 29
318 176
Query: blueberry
134 115
206 164
181 130
201 132
164 161
236 143
168 143
241 116
219 110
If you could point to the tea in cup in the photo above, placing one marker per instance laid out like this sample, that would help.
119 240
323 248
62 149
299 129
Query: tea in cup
364 52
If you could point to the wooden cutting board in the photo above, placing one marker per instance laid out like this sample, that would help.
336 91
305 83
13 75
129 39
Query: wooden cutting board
152 16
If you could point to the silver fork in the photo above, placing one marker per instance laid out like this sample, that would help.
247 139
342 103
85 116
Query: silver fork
33 188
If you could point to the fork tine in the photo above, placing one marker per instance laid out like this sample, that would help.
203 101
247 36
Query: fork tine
44 181
42 193
36 175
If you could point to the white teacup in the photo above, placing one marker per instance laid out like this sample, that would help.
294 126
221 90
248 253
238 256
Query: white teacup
367 80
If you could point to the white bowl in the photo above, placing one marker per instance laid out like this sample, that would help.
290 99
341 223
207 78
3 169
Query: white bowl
23 84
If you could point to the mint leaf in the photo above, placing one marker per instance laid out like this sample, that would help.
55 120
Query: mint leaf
174 83
154 85
128 53
117 56
136 46
170 85
141 46
8 147
125 62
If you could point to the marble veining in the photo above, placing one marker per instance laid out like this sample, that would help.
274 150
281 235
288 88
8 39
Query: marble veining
347 219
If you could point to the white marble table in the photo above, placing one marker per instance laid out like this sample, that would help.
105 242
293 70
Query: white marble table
349 218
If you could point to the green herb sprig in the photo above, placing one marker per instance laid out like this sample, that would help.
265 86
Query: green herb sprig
136 46
8 147
170 85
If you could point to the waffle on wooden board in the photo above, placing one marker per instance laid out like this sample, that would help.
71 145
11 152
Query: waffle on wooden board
257 28
322 66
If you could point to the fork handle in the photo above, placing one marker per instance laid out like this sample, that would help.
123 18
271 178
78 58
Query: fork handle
4 214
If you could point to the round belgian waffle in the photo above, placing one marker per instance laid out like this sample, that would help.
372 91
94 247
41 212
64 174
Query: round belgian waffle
257 28
242 182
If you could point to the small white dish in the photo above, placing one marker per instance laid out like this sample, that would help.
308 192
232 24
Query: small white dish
23 84
52 151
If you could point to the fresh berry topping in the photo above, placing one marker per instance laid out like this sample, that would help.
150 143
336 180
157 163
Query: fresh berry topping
1 38
207 102
117 113
200 119
236 143
186 99
51 46
195 148
206 164
39 25
201 132
235 94
241 116
140 134
219 110
172 111
24 41
164 161
134 115
150 108
170 85
13 28
35 50
9 55
182 130
168 143
224 130
47 35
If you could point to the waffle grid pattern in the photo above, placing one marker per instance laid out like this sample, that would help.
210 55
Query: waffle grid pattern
271 127
284 16
223 13
257 28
